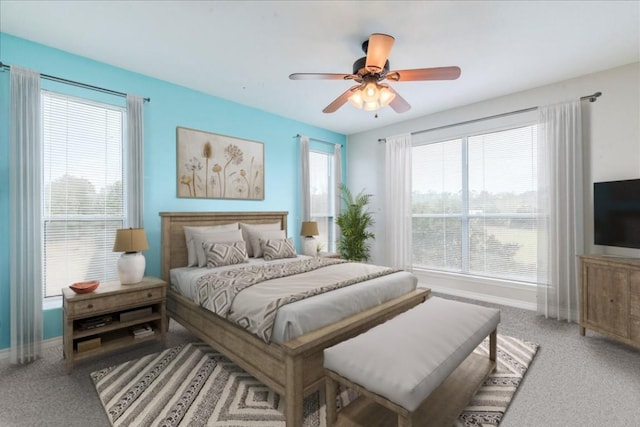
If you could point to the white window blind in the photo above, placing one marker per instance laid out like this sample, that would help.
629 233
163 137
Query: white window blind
437 205
83 190
322 189
475 205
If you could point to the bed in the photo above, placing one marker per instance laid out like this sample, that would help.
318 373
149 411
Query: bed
292 368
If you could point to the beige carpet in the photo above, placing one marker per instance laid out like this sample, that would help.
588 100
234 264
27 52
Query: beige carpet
194 385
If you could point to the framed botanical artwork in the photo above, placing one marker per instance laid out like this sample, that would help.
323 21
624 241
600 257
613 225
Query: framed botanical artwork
213 166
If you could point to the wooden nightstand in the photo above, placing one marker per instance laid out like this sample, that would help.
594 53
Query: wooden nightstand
104 320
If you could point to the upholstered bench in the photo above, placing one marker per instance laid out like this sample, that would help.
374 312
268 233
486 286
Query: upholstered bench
399 363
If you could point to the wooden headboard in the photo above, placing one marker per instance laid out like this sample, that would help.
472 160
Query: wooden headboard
174 245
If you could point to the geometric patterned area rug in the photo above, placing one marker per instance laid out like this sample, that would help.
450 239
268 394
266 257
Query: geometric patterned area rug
193 385
488 405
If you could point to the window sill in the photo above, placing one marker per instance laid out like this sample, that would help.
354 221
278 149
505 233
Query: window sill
515 294
52 303
475 279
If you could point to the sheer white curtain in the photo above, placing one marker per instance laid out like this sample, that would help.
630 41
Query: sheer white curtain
135 161
560 196
398 201
25 240
337 179
305 191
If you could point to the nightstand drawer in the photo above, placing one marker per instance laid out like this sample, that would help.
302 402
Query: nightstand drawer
95 305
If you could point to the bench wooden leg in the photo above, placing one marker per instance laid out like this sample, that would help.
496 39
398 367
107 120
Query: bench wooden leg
330 401
493 344
405 421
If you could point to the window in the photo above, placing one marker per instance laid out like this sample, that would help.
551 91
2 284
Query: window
322 183
83 190
474 205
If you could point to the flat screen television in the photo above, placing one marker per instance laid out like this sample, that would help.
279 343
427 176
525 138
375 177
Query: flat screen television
616 213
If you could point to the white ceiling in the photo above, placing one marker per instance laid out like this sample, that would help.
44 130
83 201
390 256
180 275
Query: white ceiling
244 51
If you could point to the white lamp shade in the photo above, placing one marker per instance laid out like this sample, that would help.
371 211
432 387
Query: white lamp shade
131 267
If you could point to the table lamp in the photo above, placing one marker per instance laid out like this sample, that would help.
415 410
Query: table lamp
131 264
309 230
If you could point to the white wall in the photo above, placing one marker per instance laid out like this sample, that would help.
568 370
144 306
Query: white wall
611 127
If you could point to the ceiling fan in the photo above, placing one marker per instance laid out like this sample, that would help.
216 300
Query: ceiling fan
370 70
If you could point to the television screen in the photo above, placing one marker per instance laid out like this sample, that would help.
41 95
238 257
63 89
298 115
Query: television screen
616 213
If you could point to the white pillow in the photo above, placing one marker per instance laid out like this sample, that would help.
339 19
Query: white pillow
278 248
211 237
256 236
192 259
219 254
255 227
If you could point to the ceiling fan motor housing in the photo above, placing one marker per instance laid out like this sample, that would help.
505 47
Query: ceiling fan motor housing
360 69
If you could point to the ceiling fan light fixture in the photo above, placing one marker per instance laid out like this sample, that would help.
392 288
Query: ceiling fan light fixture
370 92
356 98
386 95
371 96
371 106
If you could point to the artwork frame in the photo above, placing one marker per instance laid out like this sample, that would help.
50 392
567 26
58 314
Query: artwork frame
216 166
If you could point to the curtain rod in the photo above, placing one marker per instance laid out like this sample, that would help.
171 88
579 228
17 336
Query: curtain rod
78 84
317 140
591 98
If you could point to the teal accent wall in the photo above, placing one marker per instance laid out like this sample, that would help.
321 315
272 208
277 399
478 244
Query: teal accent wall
171 106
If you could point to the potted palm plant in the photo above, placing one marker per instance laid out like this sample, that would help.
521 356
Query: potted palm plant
354 221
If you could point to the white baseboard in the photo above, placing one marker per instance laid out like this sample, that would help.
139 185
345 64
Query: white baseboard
483 297
46 344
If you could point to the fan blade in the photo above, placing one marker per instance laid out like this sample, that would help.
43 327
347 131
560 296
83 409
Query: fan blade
399 104
340 101
320 76
440 73
378 51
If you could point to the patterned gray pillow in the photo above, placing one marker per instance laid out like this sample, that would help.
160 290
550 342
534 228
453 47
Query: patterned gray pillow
277 248
219 254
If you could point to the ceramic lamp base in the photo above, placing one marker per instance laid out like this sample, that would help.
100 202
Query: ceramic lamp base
131 267
309 246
